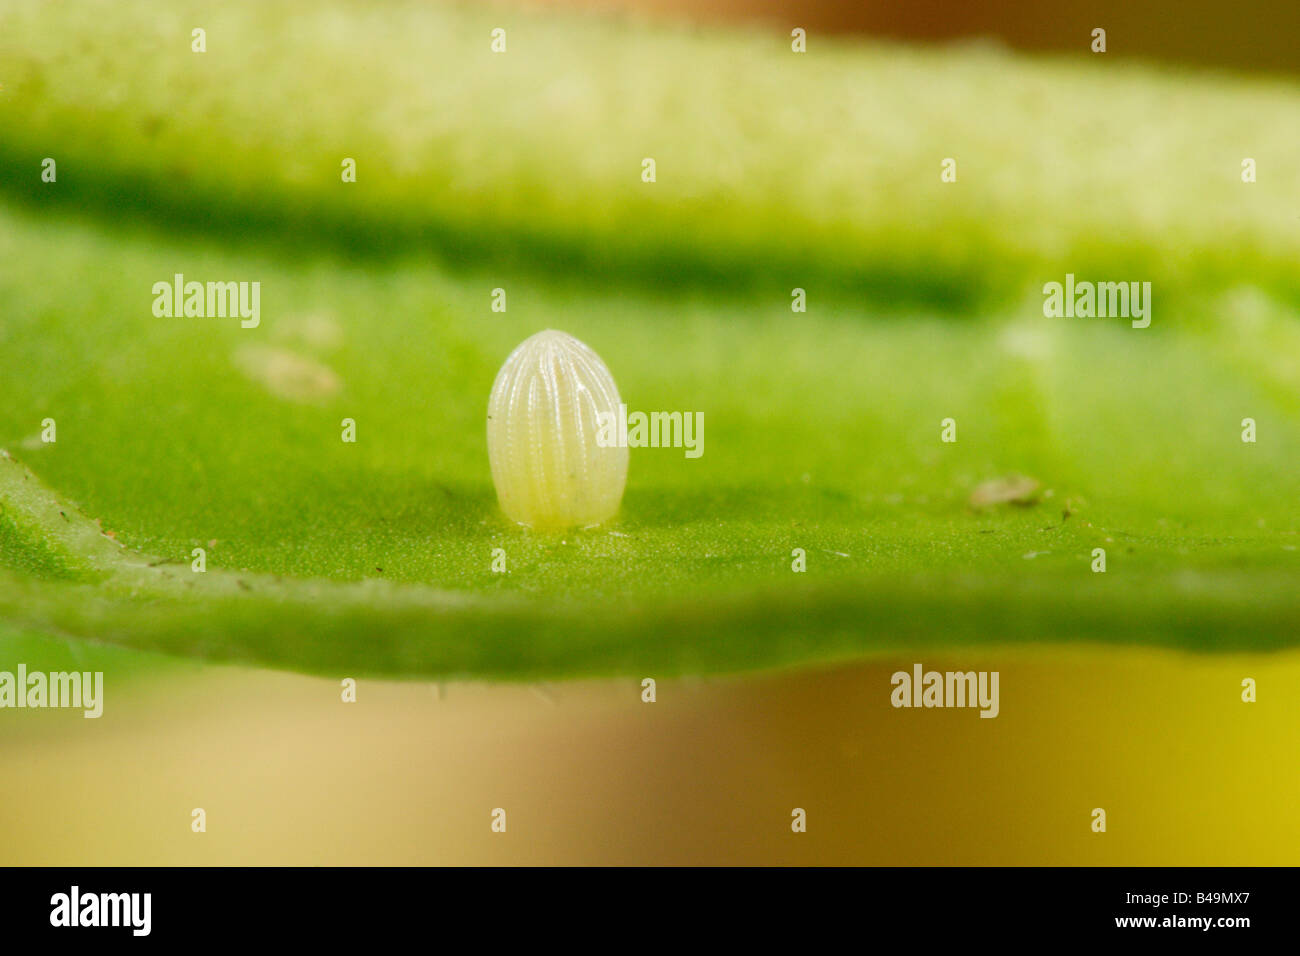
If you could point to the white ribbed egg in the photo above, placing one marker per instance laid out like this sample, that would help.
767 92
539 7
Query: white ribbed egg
550 473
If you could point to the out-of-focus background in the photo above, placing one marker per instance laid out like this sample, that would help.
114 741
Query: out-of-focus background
1251 36
709 774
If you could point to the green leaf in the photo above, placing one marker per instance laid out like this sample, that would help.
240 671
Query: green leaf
774 169
522 171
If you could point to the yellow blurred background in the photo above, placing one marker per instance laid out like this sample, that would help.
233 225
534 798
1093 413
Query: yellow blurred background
587 773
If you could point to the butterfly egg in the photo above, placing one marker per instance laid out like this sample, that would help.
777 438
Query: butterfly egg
544 417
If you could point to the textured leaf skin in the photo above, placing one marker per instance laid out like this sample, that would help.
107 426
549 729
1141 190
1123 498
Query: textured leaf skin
375 557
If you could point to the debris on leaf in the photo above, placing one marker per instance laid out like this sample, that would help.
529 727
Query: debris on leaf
286 375
1012 489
